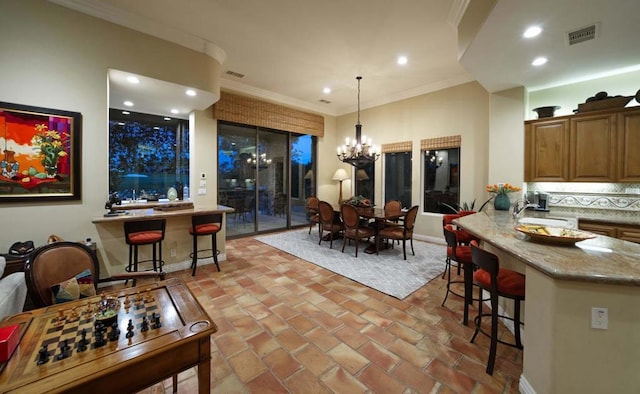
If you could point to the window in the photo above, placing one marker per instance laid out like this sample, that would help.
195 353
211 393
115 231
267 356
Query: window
397 172
147 154
441 170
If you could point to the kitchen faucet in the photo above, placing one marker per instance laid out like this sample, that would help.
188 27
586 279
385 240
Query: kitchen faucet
517 209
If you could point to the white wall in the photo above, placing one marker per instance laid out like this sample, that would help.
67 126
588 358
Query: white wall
57 58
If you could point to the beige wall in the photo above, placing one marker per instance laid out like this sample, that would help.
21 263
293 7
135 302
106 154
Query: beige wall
460 110
57 58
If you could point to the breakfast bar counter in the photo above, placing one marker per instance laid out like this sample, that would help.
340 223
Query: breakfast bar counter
563 353
599 260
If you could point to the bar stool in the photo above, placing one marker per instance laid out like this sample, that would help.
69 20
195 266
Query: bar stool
205 224
145 232
499 282
460 254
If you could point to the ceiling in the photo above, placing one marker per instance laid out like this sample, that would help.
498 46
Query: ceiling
289 50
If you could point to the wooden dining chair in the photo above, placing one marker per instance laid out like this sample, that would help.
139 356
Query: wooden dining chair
404 232
329 222
352 228
312 211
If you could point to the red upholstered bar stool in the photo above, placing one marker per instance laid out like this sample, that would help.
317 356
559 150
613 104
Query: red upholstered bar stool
145 232
499 283
461 254
205 224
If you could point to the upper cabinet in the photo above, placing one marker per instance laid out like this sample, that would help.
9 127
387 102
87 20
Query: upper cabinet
629 146
602 146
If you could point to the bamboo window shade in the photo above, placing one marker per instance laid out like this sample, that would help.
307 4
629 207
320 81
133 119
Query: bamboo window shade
448 142
405 146
250 111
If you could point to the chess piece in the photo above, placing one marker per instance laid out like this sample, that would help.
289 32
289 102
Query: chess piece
73 316
145 324
65 351
89 309
148 297
114 334
43 355
61 316
129 329
82 345
155 317
127 302
100 339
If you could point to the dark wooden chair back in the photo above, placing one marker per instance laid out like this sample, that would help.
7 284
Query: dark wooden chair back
54 263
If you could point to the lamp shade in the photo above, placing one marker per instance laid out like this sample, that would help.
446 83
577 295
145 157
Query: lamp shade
361 175
340 175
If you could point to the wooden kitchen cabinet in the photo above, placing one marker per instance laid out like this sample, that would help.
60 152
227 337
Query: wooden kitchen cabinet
592 148
547 151
629 146
596 146
621 231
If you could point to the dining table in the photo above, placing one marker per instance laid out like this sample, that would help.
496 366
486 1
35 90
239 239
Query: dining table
377 216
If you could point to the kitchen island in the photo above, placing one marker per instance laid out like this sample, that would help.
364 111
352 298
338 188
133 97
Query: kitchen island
562 353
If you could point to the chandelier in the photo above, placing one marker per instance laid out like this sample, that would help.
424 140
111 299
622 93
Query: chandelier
360 151
261 160
435 161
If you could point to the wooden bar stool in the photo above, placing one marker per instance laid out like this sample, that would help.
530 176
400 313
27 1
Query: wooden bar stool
499 283
205 224
145 232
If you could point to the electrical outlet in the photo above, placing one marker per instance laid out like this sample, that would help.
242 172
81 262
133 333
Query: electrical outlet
600 318
173 253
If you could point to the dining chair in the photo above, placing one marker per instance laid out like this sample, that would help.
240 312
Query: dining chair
352 228
329 222
404 232
312 211
393 213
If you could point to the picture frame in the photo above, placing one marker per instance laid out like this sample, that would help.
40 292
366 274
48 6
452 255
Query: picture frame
40 154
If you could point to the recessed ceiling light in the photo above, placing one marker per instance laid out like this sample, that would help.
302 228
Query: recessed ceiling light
156 128
402 60
539 61
174 111
120 123
191 92
532 31
326 90
126 112
167 118
128 103
132 79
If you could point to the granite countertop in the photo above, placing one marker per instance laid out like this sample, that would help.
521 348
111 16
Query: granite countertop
599 260
151 213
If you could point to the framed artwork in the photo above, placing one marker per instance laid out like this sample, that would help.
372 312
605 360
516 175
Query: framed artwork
40 151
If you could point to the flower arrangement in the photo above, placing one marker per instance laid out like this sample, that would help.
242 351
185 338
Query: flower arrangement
359 201
502 188
50 145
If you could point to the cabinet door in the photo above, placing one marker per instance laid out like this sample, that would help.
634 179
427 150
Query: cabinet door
593 148
598 228
629 146
547 151
629 233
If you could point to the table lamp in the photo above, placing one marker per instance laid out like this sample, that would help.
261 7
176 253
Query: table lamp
340 175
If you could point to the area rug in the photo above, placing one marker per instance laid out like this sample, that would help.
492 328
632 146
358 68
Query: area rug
386 272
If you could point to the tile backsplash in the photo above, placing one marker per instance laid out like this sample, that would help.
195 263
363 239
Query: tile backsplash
611 199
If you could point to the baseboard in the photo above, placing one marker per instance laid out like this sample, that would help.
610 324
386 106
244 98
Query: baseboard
179 266
525 387
427 238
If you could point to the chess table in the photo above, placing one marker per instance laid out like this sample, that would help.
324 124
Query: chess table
178 340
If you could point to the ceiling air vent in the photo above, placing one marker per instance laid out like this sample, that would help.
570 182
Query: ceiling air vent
235 74
581 35
325 101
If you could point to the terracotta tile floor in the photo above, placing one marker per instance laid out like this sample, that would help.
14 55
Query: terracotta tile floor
286 325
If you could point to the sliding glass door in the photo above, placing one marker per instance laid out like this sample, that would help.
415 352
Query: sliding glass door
255 167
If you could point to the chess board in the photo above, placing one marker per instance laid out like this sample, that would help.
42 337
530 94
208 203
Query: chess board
60 349
69 327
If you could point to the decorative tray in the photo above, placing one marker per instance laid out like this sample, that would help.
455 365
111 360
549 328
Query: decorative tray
553 235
